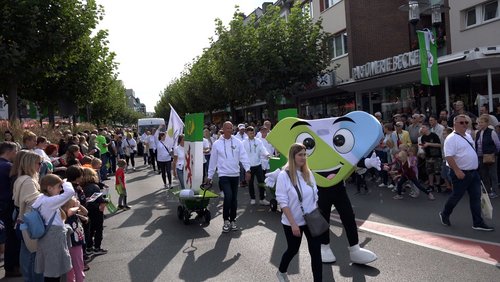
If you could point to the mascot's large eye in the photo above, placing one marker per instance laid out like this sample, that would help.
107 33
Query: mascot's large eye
308 141
343 140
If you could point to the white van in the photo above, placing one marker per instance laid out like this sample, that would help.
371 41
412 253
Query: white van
151 124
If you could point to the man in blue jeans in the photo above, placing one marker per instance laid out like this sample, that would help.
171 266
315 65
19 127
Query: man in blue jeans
462 159
227 153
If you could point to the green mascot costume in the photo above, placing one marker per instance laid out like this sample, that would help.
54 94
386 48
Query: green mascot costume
335 147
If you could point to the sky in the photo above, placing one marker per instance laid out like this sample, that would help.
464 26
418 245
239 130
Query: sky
154 39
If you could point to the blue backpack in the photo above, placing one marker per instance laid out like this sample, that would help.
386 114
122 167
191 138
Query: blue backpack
33 222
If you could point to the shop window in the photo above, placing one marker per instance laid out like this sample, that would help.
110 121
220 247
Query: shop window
337 45
490 10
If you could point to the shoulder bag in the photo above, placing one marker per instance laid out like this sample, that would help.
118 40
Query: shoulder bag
315 221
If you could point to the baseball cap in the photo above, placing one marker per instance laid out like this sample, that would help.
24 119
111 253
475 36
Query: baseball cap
241 126
378 114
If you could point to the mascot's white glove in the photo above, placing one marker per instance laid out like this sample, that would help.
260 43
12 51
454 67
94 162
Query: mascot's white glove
373 161
271 178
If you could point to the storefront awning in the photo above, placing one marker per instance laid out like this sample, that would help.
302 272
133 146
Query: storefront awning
474 61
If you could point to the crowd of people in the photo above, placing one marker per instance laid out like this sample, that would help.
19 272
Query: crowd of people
450 153
31 177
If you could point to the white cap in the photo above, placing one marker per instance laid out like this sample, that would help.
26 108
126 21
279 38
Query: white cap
241 126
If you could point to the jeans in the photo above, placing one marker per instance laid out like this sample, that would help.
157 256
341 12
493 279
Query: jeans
104 168
180 176
489 175
256 171
337 196
27 262
472 184
229 186
293 247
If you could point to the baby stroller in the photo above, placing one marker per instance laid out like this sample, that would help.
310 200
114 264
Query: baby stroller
191 202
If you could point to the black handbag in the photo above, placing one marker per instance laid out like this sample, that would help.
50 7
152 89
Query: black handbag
315 221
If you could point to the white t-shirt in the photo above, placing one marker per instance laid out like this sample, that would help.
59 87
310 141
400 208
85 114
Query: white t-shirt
42 154
181 157
461 150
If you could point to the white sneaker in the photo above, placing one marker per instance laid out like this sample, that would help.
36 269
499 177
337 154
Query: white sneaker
252 202
234 227
282 277
361 256
390 186
226 227
221 194
327 255
264 202
381 185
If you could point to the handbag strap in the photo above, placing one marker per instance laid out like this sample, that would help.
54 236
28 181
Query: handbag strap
298 191
466 140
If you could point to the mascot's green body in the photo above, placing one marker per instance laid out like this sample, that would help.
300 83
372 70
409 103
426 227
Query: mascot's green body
335 147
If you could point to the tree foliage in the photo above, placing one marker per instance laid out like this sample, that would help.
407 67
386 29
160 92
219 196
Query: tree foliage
250 60
51 55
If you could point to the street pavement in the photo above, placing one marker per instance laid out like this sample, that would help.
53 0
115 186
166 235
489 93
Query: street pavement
149 242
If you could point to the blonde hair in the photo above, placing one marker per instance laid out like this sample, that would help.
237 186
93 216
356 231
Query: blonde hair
27 164
95 162
89 176
121 163
16 163
292 168
28 135
49 180
403 156
485 118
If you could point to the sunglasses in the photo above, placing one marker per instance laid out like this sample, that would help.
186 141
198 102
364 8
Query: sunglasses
463 122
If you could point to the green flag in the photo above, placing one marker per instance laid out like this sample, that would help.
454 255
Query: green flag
194 127
428 57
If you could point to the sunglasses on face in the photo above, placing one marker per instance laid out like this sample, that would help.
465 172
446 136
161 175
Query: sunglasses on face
463 122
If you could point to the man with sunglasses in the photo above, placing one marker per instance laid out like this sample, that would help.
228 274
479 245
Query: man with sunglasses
462 159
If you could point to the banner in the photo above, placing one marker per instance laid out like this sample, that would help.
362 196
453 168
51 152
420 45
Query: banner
193 148
174 129
428 57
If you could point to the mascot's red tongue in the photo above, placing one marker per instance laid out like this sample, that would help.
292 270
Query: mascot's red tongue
331 176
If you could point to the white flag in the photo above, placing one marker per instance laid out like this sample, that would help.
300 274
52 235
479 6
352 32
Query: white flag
174 129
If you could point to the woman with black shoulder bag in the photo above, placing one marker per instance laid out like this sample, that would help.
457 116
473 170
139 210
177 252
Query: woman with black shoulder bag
295 178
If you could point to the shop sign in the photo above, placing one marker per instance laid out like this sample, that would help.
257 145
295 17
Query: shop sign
391 64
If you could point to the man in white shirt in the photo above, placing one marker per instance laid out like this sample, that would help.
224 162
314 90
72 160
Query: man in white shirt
267 124
227 153
255 150
462 159
241 135
152 150
270 149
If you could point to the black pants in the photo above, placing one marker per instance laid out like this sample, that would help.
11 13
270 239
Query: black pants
165 167
152 158
12 242
131 158
337 195
293 243
112 161
96 219
256 171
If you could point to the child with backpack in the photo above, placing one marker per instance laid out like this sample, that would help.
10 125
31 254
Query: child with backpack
52 257
74 213
120 185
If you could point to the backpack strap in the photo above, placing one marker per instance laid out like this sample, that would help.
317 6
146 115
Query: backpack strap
50 221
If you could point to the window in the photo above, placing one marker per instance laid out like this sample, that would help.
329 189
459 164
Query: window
307 8
490 10
481 14
337 45
329 3
470 17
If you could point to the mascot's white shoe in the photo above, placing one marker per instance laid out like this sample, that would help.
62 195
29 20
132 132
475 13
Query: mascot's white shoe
327 255
359 255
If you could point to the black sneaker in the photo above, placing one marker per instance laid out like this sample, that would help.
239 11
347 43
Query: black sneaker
100 251
89 251
120 207
445 220
482 227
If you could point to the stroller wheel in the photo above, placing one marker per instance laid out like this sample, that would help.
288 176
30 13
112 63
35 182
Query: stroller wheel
187 215
208 216
274 205
180 212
